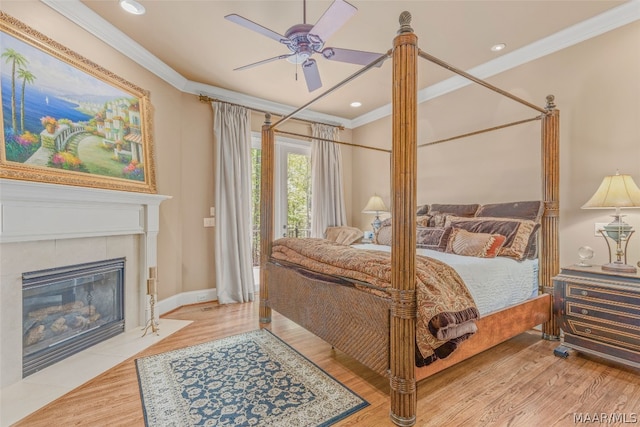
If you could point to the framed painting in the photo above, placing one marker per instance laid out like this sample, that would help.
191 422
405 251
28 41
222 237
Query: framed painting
66 120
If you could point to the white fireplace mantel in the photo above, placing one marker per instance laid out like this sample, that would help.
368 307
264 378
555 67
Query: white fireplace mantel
33 211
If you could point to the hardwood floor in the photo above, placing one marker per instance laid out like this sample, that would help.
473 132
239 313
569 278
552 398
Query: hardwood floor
518 383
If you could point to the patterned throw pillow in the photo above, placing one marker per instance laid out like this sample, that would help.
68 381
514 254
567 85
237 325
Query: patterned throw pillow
520 233
434 238
482 245
423 220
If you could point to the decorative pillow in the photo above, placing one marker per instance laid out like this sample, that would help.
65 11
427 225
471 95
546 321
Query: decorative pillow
434 238
520 233
343 235
383 235
522 210
438 219
456 209
422 210
483 245
423 220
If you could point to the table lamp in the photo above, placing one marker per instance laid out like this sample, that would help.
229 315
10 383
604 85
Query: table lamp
616 191
376 206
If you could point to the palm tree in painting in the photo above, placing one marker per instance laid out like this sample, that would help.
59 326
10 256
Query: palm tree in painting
27 77
14 58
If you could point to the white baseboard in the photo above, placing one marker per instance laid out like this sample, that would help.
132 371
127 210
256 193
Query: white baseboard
186 298
193 297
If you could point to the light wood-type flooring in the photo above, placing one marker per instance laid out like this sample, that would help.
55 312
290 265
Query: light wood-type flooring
518 383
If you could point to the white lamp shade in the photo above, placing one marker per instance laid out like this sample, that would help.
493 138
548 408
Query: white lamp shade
616 191
375 205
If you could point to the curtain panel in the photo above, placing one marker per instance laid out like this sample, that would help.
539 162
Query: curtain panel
327 199
233 263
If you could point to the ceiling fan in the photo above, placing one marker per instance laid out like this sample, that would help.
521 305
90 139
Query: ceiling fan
303 40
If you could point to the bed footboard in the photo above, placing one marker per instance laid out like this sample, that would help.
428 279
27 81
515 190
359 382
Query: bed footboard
349 319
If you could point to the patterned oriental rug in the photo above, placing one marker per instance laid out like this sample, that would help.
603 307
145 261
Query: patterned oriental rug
251 379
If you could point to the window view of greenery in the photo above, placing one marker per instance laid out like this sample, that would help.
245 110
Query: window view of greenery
298 198
298 195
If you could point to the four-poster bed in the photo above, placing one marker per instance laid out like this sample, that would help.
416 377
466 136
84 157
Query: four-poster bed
380 331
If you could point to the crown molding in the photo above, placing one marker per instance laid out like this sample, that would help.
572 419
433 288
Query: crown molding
80 14
77 12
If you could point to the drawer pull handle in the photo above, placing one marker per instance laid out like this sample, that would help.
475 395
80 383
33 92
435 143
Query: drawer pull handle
584 293
584 311
587 331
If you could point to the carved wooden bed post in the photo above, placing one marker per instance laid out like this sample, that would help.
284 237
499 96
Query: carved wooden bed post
549 236
403 246
266 213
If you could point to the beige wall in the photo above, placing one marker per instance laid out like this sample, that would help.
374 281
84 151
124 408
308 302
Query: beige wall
597 91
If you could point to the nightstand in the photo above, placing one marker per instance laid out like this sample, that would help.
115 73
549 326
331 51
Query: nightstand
599 313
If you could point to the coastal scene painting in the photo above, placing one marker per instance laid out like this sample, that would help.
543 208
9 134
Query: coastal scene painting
66 120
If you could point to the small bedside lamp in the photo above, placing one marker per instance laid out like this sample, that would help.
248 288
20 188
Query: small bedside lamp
616 191
376 206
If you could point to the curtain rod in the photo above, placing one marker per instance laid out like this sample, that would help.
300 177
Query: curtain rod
331 140
468 76
205 98
480 131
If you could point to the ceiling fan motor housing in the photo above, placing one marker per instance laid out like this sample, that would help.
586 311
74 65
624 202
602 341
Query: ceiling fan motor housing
300 42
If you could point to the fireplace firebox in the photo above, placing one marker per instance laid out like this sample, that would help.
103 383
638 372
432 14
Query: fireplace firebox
68 309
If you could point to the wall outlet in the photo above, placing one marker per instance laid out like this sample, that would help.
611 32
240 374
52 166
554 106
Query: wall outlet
201 298
597 227
209 222
212 211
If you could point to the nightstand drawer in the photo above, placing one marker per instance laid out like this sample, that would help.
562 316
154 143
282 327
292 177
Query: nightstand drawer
620 336
604 312
624 299
598 312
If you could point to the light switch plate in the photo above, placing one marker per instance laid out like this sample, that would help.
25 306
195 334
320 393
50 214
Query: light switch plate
209 222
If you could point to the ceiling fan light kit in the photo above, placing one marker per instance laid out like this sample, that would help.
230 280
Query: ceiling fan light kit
303 40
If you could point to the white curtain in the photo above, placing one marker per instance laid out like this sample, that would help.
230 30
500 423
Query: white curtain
233 264
327 200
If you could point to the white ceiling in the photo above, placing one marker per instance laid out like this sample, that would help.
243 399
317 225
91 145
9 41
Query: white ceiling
192 46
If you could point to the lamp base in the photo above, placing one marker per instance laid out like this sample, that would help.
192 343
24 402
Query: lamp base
619 267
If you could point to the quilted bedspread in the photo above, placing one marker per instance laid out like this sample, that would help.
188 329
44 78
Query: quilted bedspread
445 308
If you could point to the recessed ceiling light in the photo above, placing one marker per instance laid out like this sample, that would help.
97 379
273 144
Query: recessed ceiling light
498 47
132 6
356 104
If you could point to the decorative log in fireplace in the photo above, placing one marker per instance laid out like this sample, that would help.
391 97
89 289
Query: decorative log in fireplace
68 309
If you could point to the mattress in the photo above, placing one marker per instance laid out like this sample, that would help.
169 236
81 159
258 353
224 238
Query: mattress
494 283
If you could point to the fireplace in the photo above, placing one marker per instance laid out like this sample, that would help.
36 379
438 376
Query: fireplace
68 309
47 226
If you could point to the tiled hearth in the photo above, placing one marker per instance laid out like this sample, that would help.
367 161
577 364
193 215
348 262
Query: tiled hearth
44 226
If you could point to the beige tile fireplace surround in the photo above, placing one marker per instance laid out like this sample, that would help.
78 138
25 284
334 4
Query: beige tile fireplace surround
44 226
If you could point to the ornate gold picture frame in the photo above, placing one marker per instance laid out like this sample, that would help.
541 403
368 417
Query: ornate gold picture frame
66 120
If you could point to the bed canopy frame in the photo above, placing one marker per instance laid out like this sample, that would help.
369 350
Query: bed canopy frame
402 372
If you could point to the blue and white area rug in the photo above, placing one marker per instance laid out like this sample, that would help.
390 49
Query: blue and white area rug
251 379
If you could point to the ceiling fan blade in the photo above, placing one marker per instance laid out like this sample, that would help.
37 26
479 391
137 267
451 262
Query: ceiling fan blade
255 27
264 61
351 56
332 19
311 74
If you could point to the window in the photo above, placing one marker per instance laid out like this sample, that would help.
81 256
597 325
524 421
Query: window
292 204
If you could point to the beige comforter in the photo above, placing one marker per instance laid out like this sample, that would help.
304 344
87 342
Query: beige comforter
445 313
